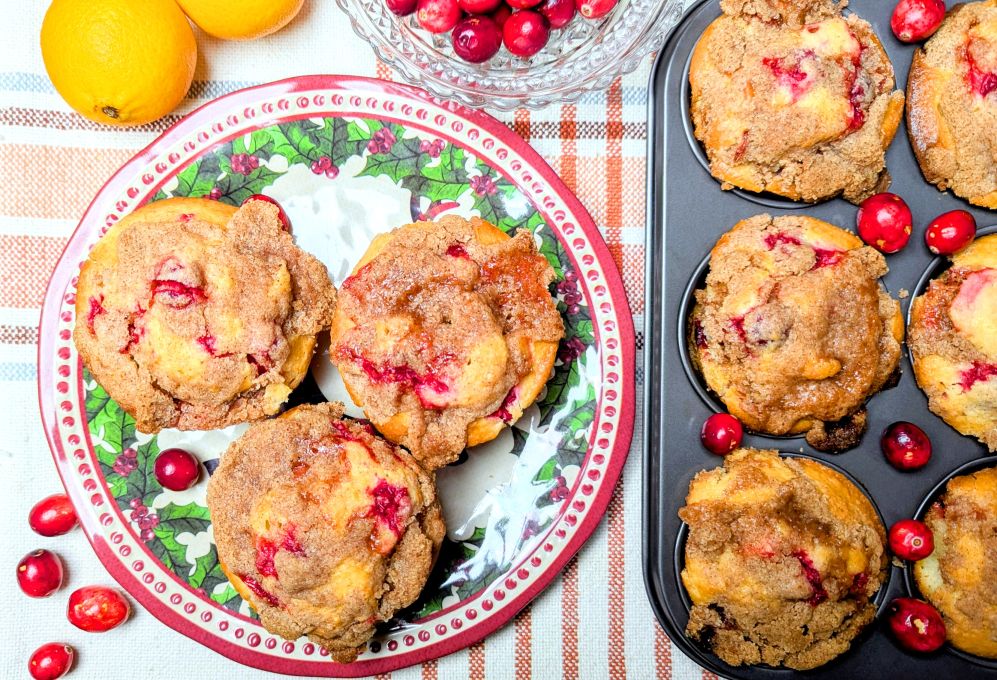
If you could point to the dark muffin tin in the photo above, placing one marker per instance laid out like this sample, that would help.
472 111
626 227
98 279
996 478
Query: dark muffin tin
687 213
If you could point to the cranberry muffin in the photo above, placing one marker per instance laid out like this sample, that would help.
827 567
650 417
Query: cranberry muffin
793 331
323 527
960 576
782 560
794 99
196 315
953 342
952 104
445 332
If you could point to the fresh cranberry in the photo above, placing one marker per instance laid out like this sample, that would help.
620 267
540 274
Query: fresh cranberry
479 6
501 15
916 20
281 215
884 222
911 540
950 232
52 516
39 573
525 33
906 446
917 625
96 609
522 4
401 8
51 661
595 9
437 16
476 39
177 469
215 193
558 12
721 433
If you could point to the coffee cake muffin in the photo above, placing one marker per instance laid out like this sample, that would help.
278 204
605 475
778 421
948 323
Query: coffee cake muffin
953 342
792 98
195 315
952 104
323 527
445 332
782 560
793 331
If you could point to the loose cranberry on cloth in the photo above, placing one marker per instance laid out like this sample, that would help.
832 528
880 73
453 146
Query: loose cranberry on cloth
52 516
97 609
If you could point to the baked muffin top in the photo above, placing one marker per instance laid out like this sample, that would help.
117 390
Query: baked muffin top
793 329
325 528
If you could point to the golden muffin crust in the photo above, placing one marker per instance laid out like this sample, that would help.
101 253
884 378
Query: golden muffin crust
195 315
953 342
793 331
445 332
952 104
791 97
782 559
323 527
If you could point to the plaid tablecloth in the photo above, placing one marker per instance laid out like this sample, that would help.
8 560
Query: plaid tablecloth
593 621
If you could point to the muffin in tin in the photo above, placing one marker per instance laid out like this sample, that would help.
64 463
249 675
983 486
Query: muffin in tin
323 527
795 99
953 341
793 330
952 104
445 332
195 315
782 560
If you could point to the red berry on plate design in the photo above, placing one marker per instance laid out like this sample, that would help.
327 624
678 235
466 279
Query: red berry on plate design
916 20
437 16
401 8
525 33
176 469
906 446
595 9
950 232
51 661
884 222
558 12
52 516
915 624
40 573
97 609
721 433
281 215
476 39
911 540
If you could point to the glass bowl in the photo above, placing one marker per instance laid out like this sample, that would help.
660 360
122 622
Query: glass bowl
582 56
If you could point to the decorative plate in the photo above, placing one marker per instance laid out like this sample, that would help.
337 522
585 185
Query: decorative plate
348 158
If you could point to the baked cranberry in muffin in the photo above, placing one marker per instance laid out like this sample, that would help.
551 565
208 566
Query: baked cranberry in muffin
952 104
195 315
793 330
445 332
323 527
953 341
782 559
794 99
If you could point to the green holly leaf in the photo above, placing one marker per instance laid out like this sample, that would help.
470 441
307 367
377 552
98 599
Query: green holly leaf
228 597
549 471
400 163
191 518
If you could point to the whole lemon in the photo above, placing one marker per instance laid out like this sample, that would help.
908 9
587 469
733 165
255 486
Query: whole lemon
120 62
241 19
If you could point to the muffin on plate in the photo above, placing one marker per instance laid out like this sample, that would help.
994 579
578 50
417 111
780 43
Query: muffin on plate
953 342
793 330
792 98
952 104
323 527
960 576
196 315
445 332
782 560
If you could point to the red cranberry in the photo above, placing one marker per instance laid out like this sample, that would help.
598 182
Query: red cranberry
476 39
281 215
884 222
558 12
96 609
39 573
950 232
52 516
917 625
522 4
721 434
911 540
906 446
51 661
437 16
500 15
595 9
176 469
479 6
525 33
401 8
916 20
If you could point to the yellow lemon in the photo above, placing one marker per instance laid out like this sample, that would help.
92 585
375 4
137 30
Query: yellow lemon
240 19
121 62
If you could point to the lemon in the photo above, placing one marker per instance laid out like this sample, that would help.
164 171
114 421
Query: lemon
240 19
120 62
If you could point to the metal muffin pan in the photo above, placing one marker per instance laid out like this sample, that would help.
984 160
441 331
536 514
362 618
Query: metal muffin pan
687 213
